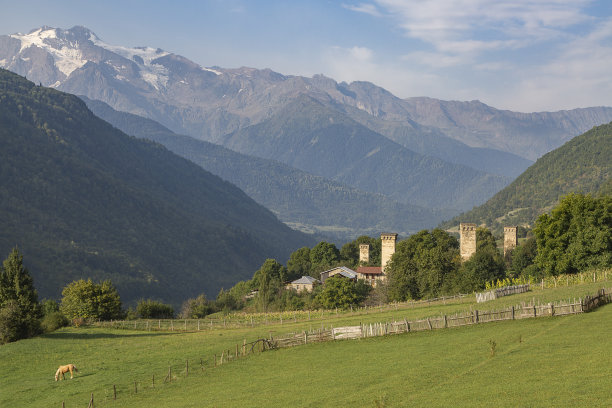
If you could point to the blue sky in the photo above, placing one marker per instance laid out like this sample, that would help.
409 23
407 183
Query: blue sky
511 54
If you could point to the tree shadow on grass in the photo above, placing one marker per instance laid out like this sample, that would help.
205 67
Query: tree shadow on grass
91 336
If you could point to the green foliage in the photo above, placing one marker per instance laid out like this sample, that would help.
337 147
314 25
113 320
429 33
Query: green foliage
342 293
323 256
523 256
350 251
18 300
482 267
89 300
151 309
299 264
581 165
197 308
422 265
576 235
269 281
53 321
49 306
84 200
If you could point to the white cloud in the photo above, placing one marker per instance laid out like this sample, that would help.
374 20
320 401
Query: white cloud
366 8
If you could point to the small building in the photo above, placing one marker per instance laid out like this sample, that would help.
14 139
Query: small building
339 270
305 283
371 274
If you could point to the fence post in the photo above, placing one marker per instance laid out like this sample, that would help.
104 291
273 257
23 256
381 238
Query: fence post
512 312
186 368
135 387
445 322
244 347
114 392
535 313
476 315
552 309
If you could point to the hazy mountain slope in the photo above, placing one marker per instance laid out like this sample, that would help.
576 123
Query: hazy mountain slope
584 164
209 103
297 197
529 135
83 200
311 137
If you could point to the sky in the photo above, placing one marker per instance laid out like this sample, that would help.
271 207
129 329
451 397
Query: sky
520 55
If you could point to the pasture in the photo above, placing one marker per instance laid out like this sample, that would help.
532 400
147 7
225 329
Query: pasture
559 361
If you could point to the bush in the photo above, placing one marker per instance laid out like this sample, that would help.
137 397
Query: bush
53 321
88 300
150 309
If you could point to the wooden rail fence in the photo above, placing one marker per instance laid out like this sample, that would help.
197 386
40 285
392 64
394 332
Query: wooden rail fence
499 292
468 318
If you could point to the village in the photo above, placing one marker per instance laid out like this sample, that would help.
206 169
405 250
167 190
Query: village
376 274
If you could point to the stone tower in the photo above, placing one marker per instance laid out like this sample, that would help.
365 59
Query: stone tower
364 253
387 248
510 238
467 240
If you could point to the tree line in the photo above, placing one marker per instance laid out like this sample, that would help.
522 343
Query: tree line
575 236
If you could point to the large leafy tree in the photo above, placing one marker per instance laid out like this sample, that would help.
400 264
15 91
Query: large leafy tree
269 281
422 265
576 235
299 264
88 300
323 256
18 300
342 292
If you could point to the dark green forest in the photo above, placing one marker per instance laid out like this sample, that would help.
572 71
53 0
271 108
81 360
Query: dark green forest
80 199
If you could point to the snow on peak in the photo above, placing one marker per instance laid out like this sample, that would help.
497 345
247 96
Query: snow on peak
154 74
66 54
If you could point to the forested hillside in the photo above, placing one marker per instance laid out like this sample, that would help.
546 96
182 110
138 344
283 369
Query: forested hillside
582 165
83 200
312 137
299 198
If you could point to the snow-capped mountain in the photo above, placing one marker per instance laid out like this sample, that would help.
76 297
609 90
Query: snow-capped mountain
208 103
212 103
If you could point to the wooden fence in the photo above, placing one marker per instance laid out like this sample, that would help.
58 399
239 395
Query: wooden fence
468 318
500 292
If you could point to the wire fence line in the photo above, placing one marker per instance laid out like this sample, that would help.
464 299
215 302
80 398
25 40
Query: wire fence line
242 320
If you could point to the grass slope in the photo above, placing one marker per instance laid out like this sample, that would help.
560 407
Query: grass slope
561 361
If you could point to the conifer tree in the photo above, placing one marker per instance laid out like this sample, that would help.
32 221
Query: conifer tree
18 300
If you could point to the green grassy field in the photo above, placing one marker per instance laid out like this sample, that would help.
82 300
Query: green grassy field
560 361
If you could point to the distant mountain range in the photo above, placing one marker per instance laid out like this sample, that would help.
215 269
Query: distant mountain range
303 200
81 199
419 151
582 165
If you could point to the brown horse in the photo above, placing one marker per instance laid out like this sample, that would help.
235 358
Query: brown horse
64 369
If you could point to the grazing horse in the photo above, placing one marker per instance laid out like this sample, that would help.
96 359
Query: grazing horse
64 369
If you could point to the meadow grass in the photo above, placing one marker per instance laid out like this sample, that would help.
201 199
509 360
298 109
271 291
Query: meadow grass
561 361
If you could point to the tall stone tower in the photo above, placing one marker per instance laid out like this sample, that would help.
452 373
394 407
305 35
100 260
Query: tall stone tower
364 253
387 248
510 238
467 240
